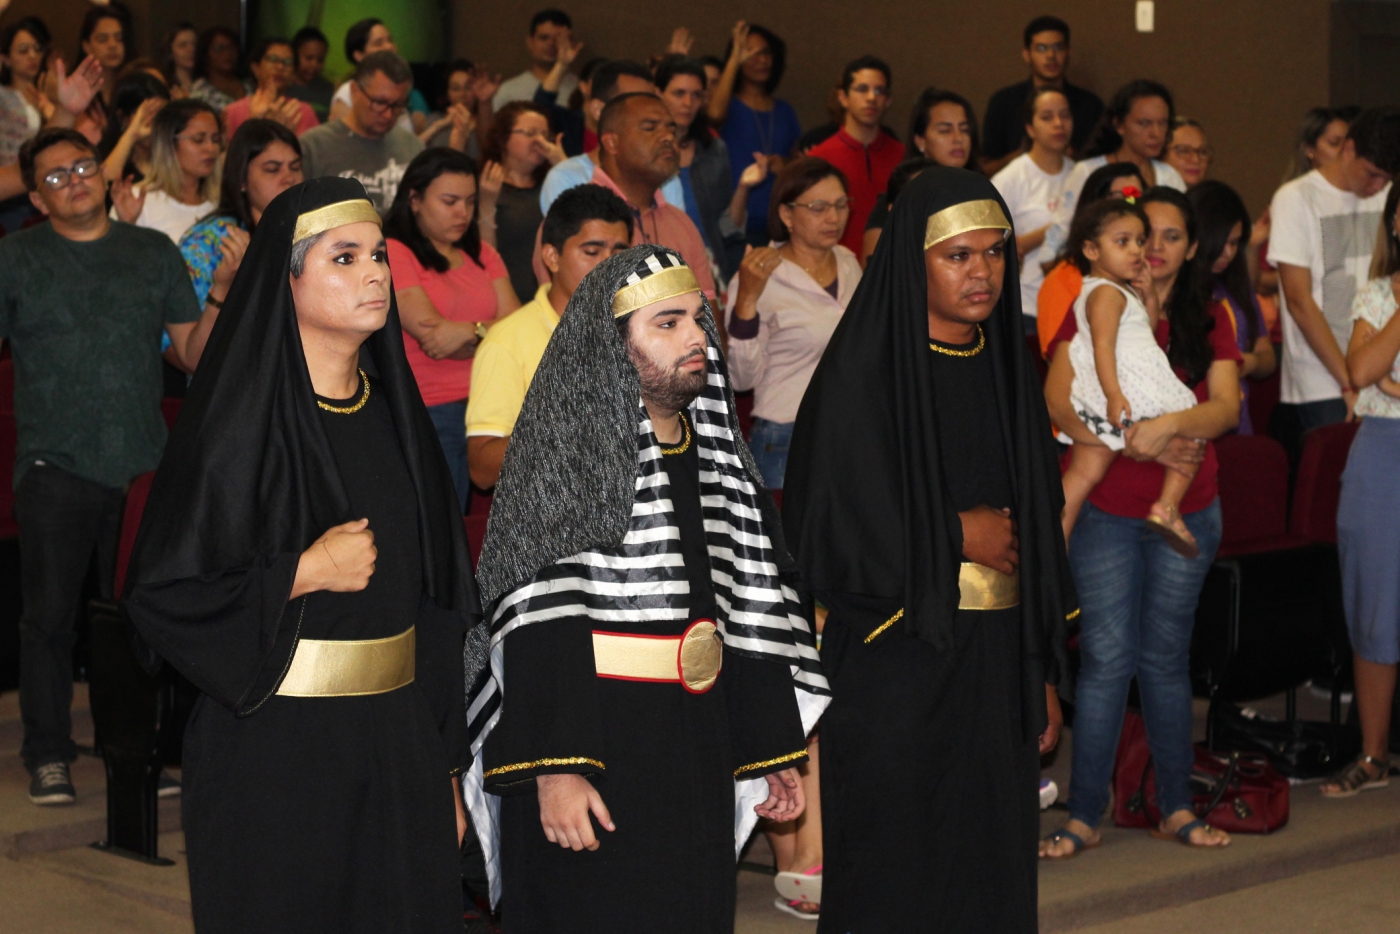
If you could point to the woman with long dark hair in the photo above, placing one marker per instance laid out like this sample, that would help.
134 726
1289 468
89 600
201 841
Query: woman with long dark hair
1137 595
23 106
217 81
1223 225
943 127
178 55
183 182
754 123
450 287
103 35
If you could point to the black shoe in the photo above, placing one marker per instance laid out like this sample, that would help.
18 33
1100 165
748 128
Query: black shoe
167 787
52 784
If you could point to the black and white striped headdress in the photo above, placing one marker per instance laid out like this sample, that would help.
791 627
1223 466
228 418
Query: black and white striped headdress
582 523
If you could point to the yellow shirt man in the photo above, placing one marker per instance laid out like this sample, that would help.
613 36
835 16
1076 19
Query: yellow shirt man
505 364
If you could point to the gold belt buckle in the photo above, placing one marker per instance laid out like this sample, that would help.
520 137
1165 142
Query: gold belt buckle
984 588
692 659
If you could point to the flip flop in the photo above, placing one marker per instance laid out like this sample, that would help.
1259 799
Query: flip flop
1182 835
1079 845
791 908
800 886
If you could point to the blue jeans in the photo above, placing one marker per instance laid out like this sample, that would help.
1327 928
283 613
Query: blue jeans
450 421
769 442
1139 606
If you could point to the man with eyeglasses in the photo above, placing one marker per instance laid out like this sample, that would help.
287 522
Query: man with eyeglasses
864 151
1046 52
83 301
365 144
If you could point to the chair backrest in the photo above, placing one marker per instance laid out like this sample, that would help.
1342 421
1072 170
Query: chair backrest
743 407
1263 398
476 534
1318 489
1253 490
136 498
170 410
1042 368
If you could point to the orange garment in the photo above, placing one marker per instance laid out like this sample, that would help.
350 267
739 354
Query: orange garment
1057 294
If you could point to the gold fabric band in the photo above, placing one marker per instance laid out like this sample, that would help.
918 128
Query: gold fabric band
768 763
692 659
985 214
668 283
326 668
979 588
542 764
335 215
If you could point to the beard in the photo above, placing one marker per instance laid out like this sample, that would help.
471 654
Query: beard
668 387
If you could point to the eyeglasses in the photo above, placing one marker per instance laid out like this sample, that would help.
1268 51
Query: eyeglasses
199 139
62 178
278 60
378 103
1182 151
1040 48
530 133
840 205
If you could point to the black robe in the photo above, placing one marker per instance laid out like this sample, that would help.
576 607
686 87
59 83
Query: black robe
940 733
670 758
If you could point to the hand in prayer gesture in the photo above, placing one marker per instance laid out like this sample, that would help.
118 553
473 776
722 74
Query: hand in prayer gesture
681 41
989 539
785 797
341 561
493 175
566 801
754 272
128 199
231 248
463 122
270 105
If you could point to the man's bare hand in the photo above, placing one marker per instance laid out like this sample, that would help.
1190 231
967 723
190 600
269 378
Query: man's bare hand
989 539
341 561
786 800
566 801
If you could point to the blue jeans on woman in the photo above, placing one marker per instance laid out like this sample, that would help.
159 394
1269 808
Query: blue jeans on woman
769 442
1138 599
450 420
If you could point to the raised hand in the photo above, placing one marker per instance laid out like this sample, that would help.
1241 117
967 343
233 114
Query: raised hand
145 116
76 91
740 36
128 199
493 175
568 50
754 175
231 248
484 84
681 41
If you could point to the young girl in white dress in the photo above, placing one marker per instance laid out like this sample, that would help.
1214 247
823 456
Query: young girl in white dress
1121 375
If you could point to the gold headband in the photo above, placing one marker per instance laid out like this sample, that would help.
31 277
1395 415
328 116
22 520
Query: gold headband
668 283
335 215
985 214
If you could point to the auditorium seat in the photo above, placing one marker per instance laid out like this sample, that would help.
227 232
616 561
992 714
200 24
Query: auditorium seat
476 534
1263 397
136 498
1318 489
743 407
8 527
1253 480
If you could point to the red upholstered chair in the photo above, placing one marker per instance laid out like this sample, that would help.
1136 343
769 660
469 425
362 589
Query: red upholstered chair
8 527
1318 490
1253 496
136 498
476 534
170 410
743 407
1042 368
1263 397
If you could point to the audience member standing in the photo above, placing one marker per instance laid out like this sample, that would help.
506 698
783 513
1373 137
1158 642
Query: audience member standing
82 303
1137 595
178 57
718 207
23 107
183 184
1367 534
309 82
786 301
862 149
450 285
518 153
273 62
751 120
1045 51
944 128
549 29
367 144
217 81
367 37
903 174
1322 234
585 226
1188 151
1224 226
1032 184
103 36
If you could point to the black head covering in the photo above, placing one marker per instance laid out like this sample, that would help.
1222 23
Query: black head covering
863 498
249 473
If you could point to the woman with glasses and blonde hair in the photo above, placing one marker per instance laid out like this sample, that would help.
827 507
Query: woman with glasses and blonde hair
182 185
518 150
786 300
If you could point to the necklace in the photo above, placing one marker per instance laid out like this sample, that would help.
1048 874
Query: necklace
685 444
349 409
981 342
816 273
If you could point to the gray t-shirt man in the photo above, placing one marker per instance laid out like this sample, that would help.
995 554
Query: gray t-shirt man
378 164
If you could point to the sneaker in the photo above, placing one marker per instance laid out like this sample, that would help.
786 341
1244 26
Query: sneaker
167 787
1049 793
52 784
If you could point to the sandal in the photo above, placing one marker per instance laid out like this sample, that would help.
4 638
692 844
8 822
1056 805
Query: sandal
1174 530
1079 845
1183 835
794 908
1356 778
800 886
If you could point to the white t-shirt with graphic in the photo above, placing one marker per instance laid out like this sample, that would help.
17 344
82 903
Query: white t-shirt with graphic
1331 233
1033 195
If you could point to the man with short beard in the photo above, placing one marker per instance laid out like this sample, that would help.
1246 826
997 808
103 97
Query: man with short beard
642 611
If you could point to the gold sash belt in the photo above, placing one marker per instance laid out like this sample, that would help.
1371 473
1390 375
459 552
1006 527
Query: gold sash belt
979 588
327 668
692 659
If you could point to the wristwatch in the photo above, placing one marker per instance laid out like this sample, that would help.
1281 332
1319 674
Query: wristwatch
480 331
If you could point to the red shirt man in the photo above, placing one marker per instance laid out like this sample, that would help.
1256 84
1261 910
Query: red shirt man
862 149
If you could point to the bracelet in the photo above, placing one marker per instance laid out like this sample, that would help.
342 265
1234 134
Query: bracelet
213 302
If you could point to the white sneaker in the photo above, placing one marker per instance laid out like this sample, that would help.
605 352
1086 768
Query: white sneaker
1049 793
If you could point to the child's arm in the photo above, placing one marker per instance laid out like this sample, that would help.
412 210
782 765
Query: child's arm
1104 309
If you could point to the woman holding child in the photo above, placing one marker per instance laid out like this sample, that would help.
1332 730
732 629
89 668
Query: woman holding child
1137 591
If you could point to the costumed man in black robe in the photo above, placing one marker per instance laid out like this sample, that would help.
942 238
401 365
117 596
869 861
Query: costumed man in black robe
660 668
923 500
302 561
